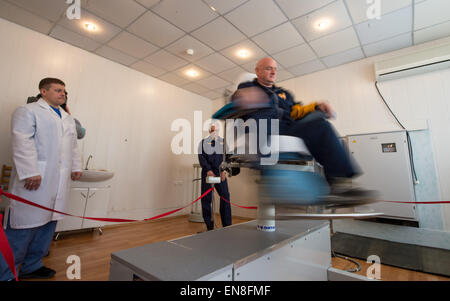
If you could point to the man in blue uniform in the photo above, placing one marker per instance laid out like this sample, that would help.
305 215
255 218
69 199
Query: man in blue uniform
307 122
210 156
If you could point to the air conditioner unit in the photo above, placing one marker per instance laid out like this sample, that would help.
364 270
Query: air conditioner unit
428 60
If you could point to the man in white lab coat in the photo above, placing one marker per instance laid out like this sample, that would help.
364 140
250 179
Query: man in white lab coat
46 157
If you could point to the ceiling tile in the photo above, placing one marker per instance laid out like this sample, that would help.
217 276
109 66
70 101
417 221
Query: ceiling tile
283 75
132 45
215 63
260 26
297 8
254 50
388 26
432 33
335 13
187 42
212 95
166 60
187 15
362 10
250 66
431 12
148 68
120 12
343 57
173 79
398 42
224 6
149 3
228 36
105 32
233 74
305 68
116 55
213 82
195 88
335 42
22 17
201 73
156 30
51 10
279 38
231 88
295 56
65 35
256 16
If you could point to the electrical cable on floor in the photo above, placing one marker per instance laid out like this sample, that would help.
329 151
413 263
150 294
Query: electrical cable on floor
358 266
333 254
408 138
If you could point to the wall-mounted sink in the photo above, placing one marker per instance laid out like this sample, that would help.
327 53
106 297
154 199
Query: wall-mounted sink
96 175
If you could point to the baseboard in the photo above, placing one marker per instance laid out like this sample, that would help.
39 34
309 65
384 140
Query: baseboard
395 233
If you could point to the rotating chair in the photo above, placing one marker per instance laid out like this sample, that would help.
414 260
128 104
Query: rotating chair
294 187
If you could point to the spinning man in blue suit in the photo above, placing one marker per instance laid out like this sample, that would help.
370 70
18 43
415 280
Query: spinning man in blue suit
210 156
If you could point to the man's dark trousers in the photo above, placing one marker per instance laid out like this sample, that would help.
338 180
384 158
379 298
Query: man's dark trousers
225 207
323 143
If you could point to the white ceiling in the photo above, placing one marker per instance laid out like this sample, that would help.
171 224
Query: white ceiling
152 36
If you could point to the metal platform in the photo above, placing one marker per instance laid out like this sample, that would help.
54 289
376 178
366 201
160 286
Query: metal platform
298 250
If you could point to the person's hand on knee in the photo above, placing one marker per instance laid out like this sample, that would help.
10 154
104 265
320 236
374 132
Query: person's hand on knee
326 109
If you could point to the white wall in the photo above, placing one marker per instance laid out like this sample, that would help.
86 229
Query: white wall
350 90
127 115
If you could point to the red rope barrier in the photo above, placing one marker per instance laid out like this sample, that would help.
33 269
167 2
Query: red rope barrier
5 248
253 208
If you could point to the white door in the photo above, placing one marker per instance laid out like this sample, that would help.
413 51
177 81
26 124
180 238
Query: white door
76 206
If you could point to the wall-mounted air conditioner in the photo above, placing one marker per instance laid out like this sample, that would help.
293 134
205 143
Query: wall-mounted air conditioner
428 60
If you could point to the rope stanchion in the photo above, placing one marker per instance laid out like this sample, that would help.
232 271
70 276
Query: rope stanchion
5 248
101 219
9 256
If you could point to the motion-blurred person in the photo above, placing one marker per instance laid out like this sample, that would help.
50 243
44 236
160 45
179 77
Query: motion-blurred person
307 122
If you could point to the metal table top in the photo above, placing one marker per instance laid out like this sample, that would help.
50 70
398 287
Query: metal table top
195 256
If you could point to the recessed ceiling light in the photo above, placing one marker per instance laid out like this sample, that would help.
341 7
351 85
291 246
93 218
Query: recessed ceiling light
323 24
192 73
90 26
243 53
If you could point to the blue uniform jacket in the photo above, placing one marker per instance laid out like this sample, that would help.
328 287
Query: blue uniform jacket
281 101
208 159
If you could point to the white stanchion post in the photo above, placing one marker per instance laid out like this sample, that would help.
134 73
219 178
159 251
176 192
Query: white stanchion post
266 218
212 181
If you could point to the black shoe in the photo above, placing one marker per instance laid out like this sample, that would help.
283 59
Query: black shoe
354 193
41 273
343 188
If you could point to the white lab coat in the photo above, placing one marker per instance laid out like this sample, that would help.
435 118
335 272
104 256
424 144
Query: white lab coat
43 144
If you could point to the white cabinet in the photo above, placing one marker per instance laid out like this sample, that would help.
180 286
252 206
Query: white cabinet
85 202
385 163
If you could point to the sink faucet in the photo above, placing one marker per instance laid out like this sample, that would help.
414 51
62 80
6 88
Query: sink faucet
86 168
